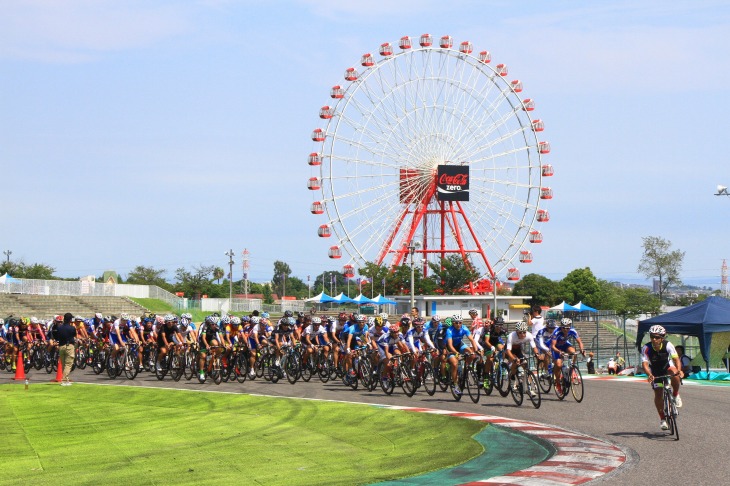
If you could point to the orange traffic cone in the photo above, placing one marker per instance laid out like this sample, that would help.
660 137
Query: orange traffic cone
19 368
59 372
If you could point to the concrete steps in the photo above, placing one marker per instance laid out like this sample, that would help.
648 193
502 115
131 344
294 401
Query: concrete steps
46 306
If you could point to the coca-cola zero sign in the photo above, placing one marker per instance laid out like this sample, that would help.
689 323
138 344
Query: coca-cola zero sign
452 182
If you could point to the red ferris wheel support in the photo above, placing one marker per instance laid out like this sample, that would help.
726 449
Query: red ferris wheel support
418 211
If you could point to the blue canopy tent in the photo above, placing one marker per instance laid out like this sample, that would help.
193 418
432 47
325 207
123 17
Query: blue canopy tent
380 300
320 298
564 307
700 320
581 307
361 299
342 299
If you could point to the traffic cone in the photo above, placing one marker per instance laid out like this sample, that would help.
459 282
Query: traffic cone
19 368
59 372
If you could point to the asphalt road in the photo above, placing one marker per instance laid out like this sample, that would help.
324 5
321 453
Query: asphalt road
616 410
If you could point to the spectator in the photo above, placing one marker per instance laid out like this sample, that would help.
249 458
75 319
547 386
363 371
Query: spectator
620 363
684 360
611 366
66 335
591 364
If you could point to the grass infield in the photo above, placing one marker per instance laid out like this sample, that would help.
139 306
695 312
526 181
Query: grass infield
87 434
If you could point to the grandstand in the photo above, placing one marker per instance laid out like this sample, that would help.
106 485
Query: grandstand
46 306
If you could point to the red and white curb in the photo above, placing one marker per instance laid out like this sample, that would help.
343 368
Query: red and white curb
579 458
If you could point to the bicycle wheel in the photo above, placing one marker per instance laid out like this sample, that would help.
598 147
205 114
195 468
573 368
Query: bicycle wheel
292 367
502 382
131 367
515 388
365 373
188 367
428 379
452 388
307 367
241 367
544 378
385 378
471 383
81 357
97 365
488 383
563 390
176 367
51 365
323 368
161 368
576 383
258 366
673 425
111 367
407 380
216 373
533 389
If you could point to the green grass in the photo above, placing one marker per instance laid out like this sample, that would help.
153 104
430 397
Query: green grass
87 434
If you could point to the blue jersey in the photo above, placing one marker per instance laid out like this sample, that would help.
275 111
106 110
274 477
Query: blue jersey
563 341
457 336
543 338
358 333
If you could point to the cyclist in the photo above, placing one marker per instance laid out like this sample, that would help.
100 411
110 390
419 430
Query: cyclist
660 357
283 336
147 337
560 343
378 336
310 337
209 336
417 335
357 335
455 345
340 332
118 334
167 339
544 338
514 351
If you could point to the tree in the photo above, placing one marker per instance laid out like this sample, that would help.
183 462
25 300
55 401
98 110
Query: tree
268 297
543 290
658 260
580 285
196 282
19 269
453 274
218 274
635 301
142 275
281 273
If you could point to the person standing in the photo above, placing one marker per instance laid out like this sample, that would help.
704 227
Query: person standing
66 335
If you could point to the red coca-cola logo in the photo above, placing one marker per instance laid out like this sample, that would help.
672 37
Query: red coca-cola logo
454 180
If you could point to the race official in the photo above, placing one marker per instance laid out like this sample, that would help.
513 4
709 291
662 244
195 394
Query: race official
66 335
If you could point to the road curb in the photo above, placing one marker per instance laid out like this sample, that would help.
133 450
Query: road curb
578 459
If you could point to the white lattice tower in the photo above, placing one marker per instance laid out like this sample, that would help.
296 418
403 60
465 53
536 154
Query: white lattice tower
724 287
245 264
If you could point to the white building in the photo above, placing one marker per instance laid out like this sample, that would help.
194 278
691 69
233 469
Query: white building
508 306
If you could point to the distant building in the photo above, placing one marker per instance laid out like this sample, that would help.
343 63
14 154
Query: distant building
110 277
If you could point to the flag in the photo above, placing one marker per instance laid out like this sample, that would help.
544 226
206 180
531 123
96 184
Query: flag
383 282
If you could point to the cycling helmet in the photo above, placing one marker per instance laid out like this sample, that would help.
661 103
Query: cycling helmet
550 324
499 321
436 318
384 315
405 321
169 318
473 311
288 314
34 320
109 318
2 321
245 319
98 315
235 320
456 318
225 320
418 321
521 327
371 321
447 322
359 318
76 318
265 315
209 320
566 322
316 320
656 329
378 321
255 320
291 321
124 316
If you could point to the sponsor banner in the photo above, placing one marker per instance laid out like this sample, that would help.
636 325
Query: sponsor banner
452 182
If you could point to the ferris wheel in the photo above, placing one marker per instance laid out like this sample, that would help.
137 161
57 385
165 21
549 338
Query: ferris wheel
428 149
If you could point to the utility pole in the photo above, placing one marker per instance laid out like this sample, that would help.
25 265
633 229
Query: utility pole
230 254
7 254
246 253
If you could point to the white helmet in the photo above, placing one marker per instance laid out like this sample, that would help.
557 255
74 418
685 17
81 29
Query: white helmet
657 329
566 322
521 327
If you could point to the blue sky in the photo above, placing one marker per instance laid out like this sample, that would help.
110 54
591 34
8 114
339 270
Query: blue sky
164 133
